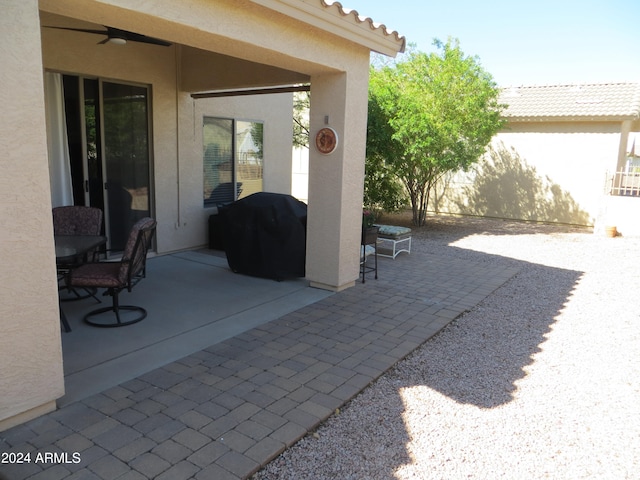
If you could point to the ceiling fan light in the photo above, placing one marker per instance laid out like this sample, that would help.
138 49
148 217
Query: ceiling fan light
118 40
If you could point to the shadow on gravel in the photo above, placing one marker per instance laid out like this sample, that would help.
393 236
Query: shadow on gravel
477 359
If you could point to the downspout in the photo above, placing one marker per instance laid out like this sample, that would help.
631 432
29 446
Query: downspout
178 57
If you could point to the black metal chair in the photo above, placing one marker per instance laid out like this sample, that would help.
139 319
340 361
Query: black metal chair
369 246
118 276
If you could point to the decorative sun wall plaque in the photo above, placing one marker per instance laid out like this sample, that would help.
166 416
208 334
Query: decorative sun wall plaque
326 140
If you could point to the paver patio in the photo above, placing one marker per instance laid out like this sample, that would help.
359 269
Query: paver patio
228 409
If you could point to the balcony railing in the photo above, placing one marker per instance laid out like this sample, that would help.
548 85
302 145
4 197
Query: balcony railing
623 183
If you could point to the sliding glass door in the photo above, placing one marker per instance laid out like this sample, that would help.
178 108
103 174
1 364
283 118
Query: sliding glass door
108 130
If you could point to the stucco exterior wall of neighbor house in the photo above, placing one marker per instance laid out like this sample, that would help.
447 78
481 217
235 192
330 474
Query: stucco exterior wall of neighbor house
216 44
30 349
548 172
551 160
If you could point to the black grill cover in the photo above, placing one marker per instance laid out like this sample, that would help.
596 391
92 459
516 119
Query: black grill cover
265 235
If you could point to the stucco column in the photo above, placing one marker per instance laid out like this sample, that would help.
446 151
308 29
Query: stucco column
336 180
31 375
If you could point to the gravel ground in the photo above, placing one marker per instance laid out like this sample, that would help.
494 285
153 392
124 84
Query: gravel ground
540 380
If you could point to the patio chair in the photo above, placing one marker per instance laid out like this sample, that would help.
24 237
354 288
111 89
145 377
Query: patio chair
76 220
118 276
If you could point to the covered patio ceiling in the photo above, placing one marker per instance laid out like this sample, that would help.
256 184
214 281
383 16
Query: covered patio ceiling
199 70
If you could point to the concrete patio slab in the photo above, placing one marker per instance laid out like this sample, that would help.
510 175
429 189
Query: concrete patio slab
193 301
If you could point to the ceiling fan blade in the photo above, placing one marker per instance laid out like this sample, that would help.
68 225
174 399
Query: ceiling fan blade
84 30
112 32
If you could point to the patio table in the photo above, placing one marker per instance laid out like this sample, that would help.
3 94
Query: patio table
73 249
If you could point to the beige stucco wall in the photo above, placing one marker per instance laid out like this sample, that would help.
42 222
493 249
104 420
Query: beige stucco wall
30 350
274 110
551 172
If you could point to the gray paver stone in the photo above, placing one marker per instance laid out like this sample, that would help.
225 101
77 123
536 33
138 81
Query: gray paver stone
238 464
265 450
181 471
150 465
237 441
54 472
135 449
172 452
166 430
116 437
84 474
208 454
289 433
109 467
215 472
74 443
253 429
191 439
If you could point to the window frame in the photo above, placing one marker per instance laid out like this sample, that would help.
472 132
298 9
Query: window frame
232 189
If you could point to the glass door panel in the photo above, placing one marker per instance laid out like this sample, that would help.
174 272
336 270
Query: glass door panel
92 143
218 161
249 156
125 158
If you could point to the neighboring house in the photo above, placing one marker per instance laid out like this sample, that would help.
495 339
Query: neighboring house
555 159
124 128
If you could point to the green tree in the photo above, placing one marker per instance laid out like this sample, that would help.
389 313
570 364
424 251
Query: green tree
442 109
301 103
383 190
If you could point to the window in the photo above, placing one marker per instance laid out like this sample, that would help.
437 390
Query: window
233 159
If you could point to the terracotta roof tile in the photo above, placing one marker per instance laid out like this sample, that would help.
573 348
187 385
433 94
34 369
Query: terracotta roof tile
359 19
603 101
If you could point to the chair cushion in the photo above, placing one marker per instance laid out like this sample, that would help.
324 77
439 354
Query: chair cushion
77 220
99 275
393 231
366 250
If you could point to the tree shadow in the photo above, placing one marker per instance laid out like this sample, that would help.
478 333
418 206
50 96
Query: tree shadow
500 345
476 360
506 186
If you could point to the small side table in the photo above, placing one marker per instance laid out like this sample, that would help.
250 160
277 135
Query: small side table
394 240
369 246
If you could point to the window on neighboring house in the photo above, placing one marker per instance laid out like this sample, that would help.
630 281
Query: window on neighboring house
233 159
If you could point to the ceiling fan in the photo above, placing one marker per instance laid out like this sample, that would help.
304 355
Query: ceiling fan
117 36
